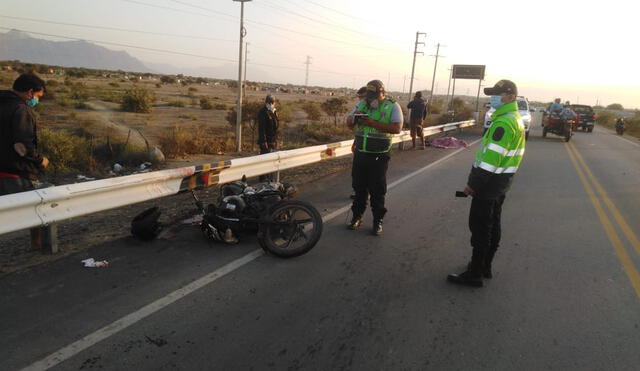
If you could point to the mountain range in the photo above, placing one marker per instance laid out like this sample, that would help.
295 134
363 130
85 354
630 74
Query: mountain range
18 45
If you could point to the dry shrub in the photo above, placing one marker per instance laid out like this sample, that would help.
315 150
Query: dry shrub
137 100
66 152
180 141
317 133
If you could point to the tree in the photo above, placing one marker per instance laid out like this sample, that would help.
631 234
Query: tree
312 110
615 106
167 79
249 116
334 107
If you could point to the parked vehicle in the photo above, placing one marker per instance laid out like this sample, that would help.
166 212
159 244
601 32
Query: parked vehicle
523 109
586 117
553 123
285 228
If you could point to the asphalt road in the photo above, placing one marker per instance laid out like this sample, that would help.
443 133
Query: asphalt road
565 293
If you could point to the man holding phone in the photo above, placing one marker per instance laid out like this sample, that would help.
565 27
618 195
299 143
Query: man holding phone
374 120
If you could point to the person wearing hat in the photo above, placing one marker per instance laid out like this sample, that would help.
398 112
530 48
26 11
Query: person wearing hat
418 107
267 129
374 120
496 162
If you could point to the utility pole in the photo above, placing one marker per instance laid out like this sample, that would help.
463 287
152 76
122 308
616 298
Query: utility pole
413 67
243 33
449 86
435 65
404 81
306 76
246 51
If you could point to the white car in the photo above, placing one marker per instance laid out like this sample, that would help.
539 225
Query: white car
523 109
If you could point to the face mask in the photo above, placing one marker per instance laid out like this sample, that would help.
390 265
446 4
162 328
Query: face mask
271 107
32 102
496 101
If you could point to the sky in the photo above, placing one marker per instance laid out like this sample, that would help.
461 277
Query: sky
579 51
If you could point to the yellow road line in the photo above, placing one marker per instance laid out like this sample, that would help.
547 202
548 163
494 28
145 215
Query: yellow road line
628 232
618 247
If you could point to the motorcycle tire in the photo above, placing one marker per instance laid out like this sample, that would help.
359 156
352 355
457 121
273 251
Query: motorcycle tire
544 132
590 130
294 227
567 136
526 136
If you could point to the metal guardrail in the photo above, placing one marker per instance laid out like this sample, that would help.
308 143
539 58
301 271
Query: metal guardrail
47 206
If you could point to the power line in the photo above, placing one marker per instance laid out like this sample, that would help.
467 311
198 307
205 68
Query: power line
115 29
179 53
268 25
336 11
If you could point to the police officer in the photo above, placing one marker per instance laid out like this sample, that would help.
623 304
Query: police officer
372 147
496 162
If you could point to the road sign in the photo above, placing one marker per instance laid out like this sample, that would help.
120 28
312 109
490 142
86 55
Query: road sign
468 71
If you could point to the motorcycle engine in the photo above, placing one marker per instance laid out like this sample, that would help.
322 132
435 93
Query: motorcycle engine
232 207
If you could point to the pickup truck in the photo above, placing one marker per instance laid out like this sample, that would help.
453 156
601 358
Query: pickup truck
586 116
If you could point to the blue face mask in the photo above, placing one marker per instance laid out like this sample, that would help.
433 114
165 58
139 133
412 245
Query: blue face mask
32 102
496 101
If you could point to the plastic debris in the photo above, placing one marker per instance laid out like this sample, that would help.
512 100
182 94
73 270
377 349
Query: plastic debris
82 177
117 168
92 263
145 165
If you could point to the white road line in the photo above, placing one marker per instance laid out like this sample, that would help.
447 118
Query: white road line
107 331
609 131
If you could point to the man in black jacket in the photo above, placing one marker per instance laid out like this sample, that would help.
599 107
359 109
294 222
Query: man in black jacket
418 107
20 161
267 129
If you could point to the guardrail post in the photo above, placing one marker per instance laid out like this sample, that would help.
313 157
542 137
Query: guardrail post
45 238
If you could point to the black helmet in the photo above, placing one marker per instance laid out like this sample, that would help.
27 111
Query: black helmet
145 225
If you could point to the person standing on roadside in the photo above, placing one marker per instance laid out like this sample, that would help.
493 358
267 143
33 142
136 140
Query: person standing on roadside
20 161
496 162
375 120
418 107
267 130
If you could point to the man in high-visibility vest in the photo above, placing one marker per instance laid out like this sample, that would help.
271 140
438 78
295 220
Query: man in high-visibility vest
375 120
496 162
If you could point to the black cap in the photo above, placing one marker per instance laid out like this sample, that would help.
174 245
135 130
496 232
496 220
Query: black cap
373 88
270 99
502 86
362 90
419 94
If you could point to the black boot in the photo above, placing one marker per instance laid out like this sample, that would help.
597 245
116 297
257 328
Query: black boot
377 227
467 278
355 223
486 269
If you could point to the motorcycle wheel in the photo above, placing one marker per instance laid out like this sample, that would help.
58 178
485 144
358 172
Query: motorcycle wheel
294 227
544 131
590 129
567 136
526 136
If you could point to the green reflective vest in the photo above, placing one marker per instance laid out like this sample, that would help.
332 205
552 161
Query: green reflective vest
503 144
368 139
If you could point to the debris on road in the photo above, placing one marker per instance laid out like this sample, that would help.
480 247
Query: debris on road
117 168
82 177
92 263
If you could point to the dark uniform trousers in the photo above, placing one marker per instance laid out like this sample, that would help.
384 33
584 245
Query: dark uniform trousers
369 180
484 223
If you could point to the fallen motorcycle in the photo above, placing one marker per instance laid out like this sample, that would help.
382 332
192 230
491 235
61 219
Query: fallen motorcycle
285 228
